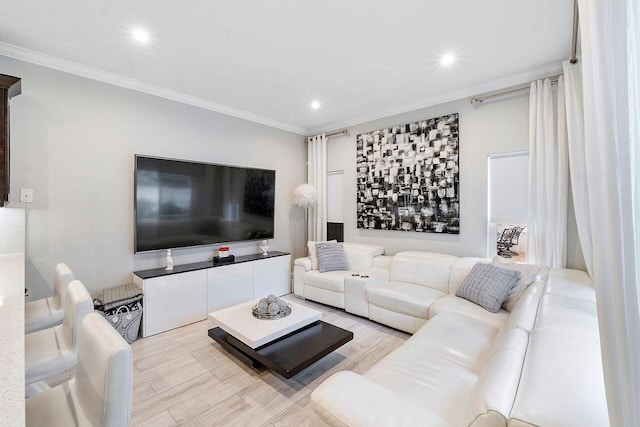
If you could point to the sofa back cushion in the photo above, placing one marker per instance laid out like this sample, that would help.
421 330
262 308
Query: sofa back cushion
422 268
358 258
374 249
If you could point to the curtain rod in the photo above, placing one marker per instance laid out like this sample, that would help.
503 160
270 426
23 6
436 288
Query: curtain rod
574 40
341 132
480 99
573 59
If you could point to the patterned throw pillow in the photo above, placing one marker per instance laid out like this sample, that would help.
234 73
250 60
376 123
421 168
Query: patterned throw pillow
331 257
488 286
311 248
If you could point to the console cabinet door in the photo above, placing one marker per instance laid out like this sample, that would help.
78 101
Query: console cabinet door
174 301
272 276
230 285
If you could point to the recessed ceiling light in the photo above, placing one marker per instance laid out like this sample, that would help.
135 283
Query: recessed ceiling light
447 59
315 105
140 35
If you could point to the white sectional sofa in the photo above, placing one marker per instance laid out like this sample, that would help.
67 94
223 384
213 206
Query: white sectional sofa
537 365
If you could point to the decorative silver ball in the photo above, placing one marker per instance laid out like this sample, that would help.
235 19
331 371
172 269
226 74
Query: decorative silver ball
262 307
274 309
271 299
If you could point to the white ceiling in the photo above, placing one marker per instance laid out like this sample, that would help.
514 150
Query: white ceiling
266 60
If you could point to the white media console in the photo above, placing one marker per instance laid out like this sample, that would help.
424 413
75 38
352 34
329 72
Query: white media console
189 292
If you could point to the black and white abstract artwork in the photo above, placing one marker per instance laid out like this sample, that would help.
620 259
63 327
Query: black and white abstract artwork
408 177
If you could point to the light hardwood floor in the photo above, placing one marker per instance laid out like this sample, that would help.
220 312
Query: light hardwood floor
182 377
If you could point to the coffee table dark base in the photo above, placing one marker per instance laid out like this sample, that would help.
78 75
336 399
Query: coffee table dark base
290 354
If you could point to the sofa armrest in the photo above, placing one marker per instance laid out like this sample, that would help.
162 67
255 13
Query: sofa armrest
355 290
303 262
349 399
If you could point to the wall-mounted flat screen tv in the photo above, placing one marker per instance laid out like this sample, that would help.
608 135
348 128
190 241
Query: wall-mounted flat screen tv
181 203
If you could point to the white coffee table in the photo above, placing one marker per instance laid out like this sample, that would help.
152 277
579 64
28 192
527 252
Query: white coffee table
239 322
286 345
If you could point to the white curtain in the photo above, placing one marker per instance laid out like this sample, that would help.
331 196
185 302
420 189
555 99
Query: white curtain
317 176
548 175
604 134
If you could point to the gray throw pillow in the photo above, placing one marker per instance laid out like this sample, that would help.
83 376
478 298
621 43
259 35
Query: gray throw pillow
331 257
488 286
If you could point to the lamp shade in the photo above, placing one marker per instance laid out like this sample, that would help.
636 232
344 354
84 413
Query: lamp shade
305 196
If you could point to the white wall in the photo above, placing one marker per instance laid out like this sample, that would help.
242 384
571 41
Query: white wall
493 127
73 142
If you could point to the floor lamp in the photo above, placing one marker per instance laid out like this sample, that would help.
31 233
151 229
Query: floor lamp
305 196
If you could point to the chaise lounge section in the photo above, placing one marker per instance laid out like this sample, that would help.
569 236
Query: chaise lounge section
535 365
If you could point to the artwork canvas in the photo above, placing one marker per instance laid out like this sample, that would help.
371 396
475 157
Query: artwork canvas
408 177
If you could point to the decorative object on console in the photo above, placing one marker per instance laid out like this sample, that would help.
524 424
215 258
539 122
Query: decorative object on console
408 177
488 286
169 261
271 308
331 257
264 247
227 259
223 252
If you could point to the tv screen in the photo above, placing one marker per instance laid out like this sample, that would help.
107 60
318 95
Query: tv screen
180 203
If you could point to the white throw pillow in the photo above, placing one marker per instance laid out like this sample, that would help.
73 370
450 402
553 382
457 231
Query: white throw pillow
313 254
528 274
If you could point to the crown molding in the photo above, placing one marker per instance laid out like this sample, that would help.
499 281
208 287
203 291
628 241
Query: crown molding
71 67
468 92
75 68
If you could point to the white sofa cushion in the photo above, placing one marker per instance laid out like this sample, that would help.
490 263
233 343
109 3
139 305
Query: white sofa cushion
427 380
561 384
374 249
331 280
368 404
443 336
406 298
358 258
570 316
461 306
571 283
422 268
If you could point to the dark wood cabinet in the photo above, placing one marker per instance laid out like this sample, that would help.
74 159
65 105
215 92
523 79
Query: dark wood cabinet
9 87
